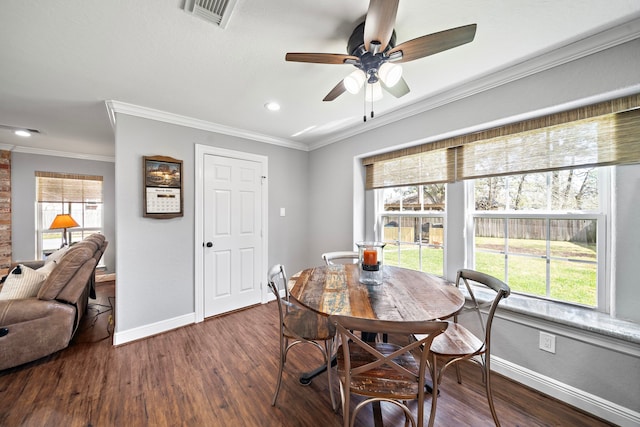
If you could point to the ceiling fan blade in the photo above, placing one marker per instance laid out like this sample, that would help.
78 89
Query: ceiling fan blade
336 91
378 26
320 58
399 89
435 43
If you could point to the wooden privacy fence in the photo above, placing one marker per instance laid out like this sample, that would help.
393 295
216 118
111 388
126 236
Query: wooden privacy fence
570 230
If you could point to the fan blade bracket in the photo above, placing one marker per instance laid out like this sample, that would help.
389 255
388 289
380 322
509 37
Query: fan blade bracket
394 56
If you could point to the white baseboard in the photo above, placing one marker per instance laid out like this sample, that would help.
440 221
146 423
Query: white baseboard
587 402
146 331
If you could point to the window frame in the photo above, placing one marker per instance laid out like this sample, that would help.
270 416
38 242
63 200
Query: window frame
380 213
65 207
603 231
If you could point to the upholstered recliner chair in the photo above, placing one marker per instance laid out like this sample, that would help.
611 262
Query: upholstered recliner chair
36 326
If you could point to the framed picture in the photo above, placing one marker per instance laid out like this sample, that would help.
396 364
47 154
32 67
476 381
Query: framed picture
163 190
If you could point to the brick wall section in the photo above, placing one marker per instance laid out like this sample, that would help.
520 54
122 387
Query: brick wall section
5 209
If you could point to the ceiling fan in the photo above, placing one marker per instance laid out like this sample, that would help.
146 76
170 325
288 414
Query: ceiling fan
372 50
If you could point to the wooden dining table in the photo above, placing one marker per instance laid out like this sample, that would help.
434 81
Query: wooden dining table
402 295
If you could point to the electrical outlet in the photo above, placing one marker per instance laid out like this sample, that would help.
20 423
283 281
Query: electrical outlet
547 342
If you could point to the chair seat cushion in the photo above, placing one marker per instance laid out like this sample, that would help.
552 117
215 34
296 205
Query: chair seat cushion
382 381
308 325
456 341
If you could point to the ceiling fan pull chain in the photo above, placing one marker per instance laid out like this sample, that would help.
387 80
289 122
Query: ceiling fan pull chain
372 102
364 105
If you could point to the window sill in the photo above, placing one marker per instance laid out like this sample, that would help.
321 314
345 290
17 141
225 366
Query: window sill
568 315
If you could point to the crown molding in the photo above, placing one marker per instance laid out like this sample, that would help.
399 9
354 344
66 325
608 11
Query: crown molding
56 153
528 66
114 107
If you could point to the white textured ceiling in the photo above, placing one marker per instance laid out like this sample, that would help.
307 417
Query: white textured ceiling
61 60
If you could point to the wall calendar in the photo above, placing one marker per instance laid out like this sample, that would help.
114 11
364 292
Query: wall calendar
163 196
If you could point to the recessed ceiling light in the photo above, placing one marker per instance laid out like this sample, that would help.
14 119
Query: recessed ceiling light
272 106
23 133
20 131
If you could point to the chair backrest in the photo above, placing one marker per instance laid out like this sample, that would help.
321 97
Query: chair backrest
501 289
340 257
428 330
277 283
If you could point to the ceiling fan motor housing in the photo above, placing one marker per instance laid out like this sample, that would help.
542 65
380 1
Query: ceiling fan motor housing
369 62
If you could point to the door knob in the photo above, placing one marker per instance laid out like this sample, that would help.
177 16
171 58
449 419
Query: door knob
209 244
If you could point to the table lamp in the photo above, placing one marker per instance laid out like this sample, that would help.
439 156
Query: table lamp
63 221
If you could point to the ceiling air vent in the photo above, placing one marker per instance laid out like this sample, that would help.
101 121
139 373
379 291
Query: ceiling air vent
216 11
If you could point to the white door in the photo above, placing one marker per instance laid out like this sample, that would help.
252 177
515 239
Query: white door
232 233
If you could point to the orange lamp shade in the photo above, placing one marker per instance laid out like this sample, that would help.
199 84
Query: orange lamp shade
63 221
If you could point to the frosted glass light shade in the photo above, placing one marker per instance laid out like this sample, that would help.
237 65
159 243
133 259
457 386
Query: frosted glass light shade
390 73
373 92
354 81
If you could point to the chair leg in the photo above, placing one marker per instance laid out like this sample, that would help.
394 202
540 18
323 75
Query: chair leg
487 384
435 379
458 374
346 402
328 348
281 368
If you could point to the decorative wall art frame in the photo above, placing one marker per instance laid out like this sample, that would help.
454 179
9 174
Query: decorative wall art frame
163 191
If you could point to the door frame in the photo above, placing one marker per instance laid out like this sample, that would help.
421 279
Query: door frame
199 238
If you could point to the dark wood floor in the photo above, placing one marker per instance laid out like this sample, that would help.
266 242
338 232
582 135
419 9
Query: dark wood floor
222 372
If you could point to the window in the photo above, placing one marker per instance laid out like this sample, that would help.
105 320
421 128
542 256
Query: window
537 199
411 223
543 233
77 195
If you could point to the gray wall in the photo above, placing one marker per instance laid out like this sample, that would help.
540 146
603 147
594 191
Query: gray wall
580 362
156 257
23 195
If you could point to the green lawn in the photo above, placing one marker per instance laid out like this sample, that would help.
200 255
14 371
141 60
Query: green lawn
432 258
572 272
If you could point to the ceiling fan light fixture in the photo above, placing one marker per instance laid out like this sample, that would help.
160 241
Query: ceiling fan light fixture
373 92
390 74
354 81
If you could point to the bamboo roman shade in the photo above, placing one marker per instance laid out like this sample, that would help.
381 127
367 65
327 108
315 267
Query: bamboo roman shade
59 187
606 133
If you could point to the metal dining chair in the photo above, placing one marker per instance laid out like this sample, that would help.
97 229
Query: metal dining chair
386 372
300 326
340 257
459 343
